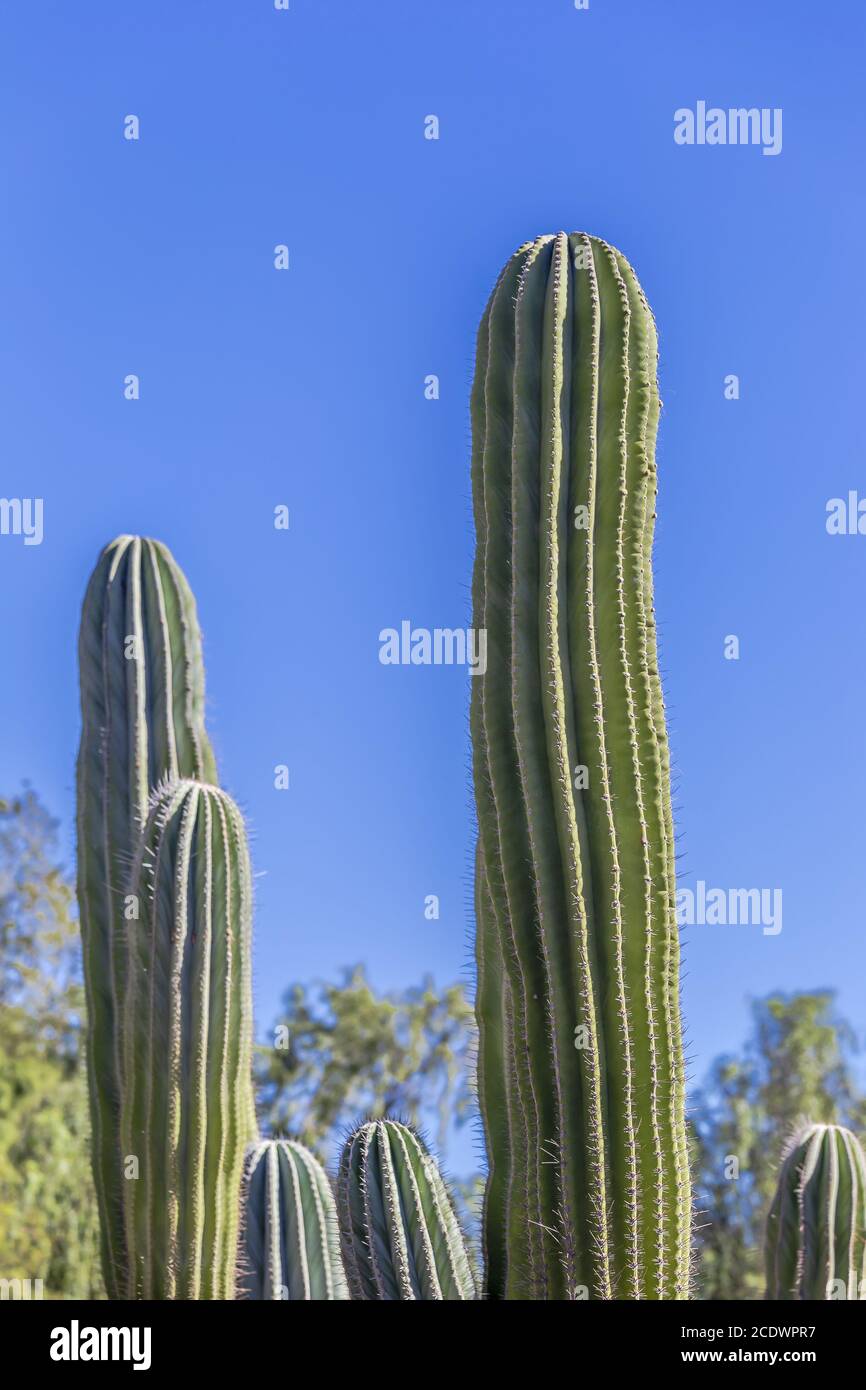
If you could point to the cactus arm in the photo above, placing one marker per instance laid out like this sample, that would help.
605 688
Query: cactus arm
816 1228
184 980
399 1231
142 704
581 882
291 1247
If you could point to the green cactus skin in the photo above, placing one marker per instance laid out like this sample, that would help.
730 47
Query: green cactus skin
400 1234
582 1081
816 1228
142 704
290 1237
187 1110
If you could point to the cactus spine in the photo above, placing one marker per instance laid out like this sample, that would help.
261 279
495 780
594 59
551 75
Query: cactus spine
399 1231
581 1063
816 1228
186 1085
291 1243
142 705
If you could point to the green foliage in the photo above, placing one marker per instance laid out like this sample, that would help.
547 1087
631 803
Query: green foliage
342 1049
815 1245
48 1227
581 1073
399 1231
798 1062
290 1240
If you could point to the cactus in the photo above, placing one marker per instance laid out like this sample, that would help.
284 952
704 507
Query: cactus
290 1239
581 1062
142 706
816 1228
186 1046
400 1234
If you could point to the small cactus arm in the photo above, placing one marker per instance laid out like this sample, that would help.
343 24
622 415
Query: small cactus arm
581 1072
142 708
186 1046
815 1245
290 1242
400 1234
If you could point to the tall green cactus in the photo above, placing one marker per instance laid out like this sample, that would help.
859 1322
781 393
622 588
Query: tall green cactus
187 1110
290 1240
142 707
400 1234
581 1072
816 1229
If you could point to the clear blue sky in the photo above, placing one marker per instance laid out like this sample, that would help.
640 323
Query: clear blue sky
305 388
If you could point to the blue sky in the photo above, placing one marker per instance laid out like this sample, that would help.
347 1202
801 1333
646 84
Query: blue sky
306 388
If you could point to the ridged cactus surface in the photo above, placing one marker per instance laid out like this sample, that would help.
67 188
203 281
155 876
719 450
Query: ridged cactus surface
290 1238
187 1111
142 708
581 1062
400 1234
816 1229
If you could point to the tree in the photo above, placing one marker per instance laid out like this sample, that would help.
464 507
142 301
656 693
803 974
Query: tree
341 1051
47 1206
797 1065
